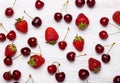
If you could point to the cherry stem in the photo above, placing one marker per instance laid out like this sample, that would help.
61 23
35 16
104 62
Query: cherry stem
3 27
66 34
14 3
30 77
28 14
87 81
81 55
65 6
110 48
58 64
114 33
40 49
115 26
16 57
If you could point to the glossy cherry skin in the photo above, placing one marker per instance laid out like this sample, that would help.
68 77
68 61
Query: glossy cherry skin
25 51
104 21
8 61
32 41
71 56
37 22
116 79
60 76
9 12
103 35
7 76
39 4
91 3
106 58
2 37
11 35
52 69
79 3
16 74
99 48
83 74
62 45
58 17
68 18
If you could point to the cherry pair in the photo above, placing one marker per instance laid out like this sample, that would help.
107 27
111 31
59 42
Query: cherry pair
80 3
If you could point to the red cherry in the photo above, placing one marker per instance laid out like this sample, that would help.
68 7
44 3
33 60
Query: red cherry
116 79
7 76
32 41
91 3
103 35
39 4
106 58
79 3
16 74
83 74
60 76
104 21
58 17
52 69
9 12
11 35
2 37
68 18
25 51
8 61
99 48
71 56
62 45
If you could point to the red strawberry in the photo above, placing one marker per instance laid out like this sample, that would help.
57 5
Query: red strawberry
10 50
94 65
51 35
21 25
116 17
82 21
36 61
78 43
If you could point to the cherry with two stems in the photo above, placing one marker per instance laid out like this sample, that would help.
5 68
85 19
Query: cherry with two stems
9 11
36 21
11 35
30 77
63 44
39 4
106 57
72 55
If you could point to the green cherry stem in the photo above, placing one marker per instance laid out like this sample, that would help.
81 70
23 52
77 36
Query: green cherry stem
110 48
81 55
40 49
87 81
65 6
114 33
66 34
14 3
28 15
57 64
115 26
3 27
30 77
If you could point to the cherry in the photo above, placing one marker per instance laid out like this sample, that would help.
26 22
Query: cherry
8 61
58 17
106 58
91 3
104 21
36 21
83 74
7 76
79 3
71 56
32 42
116 79
103 35
25 51
9 12
16 74
99 48
63 44
52 69
2 37
39 4
11 35
60 76
68 18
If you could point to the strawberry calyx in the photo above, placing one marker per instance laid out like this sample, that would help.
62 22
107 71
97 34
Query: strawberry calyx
82 26
78 38
13 47
32 62
19 20
97 69
51 42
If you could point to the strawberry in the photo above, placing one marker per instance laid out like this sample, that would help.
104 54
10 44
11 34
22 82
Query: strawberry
78 43
21 25
116 17
94 65
10 50
36 61
51 36
82 21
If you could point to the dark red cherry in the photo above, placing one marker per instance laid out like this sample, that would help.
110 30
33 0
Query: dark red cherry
7 76
71 56
16 74
60 76
103 35
9 12
39 4
25 51
99 48
11 35
68 18
52 69
62 45
79 3
37 22
32 41
2 37
106 58
83 74
58 16
91 3
8 61
104 21
116 79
